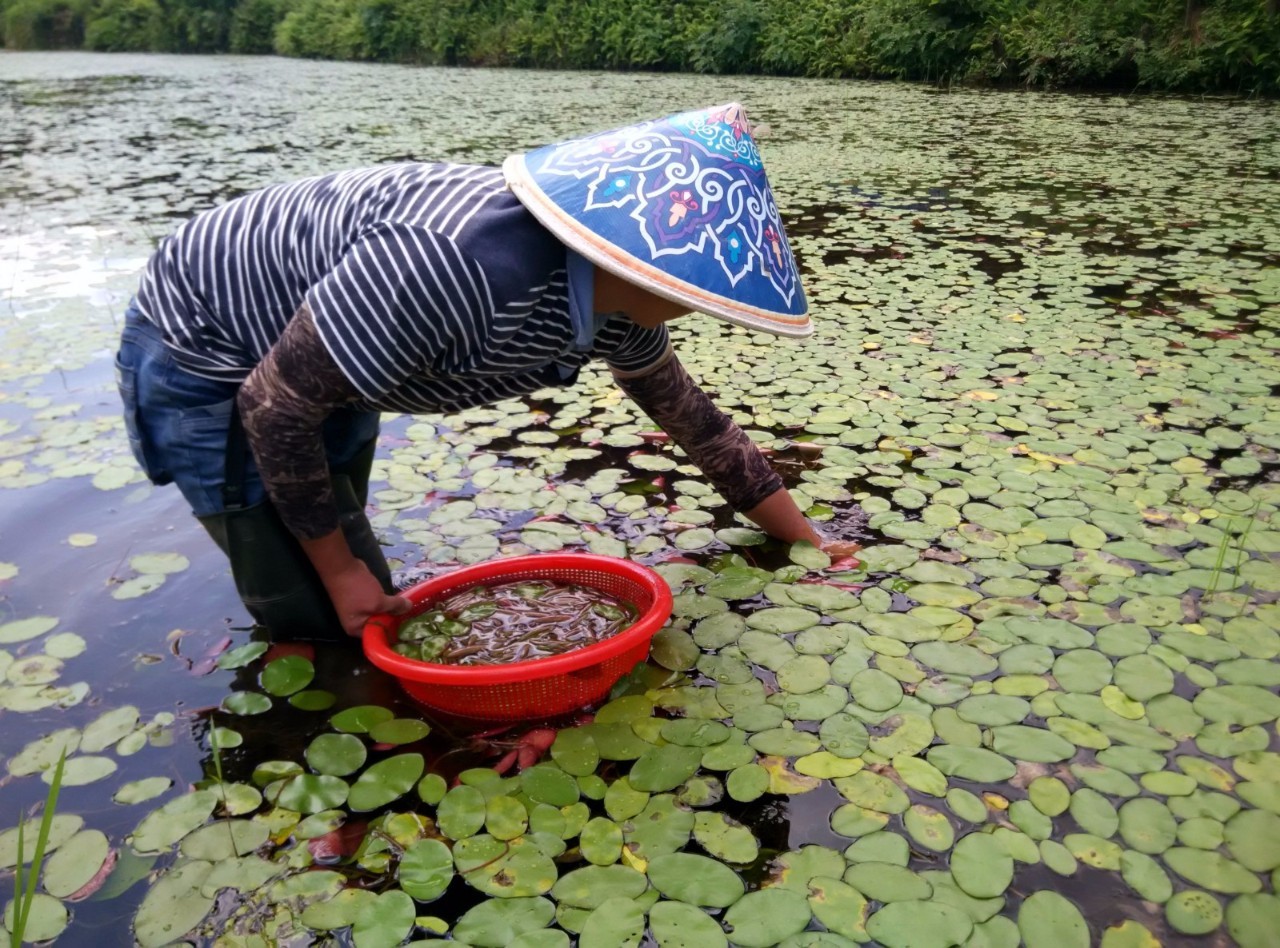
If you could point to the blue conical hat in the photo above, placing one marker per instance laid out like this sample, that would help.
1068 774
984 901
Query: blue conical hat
680 206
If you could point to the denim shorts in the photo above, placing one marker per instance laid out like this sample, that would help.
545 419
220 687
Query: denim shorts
177 422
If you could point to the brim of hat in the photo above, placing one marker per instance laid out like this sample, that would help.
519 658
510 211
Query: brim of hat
627 266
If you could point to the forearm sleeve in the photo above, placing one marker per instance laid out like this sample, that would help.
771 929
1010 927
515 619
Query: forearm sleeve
720 448
283 405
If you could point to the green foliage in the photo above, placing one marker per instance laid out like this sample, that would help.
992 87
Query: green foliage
1200 45
125 26
42 24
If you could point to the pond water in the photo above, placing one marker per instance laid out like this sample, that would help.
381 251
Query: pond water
1043 392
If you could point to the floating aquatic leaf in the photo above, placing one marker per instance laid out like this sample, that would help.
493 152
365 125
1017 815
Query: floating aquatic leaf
79 771
360 719
1253 920
1212 871
399 731
886 882
678 925
497 922
286 675
1192 912
76 862
664 768
1047 920
461 812
725 838
547 783
385 781
21 630
162 828
139 791
243 655
426 869
617 922
925 924
766 917
504 868
311 793
246 702
981 866
686 877
173 905
159 563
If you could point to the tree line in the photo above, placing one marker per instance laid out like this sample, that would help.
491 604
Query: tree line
1173 45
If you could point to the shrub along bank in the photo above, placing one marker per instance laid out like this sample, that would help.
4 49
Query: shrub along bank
1192 45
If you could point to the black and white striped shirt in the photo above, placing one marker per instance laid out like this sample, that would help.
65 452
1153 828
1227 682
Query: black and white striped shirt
431 286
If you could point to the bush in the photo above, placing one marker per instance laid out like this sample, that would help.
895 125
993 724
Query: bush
124 26
322 29
253 26
43 24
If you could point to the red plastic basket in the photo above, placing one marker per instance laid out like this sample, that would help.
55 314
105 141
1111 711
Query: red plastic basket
541 687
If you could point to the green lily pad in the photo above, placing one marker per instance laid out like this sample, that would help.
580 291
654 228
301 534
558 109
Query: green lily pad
76 862
1212 871
242 655
679 925
1193 912
1253 920
173 906
1048 920
840 907
311 793
664 768
981 866
504 868
284 676
592 886
547 783
385 781
725 838
360 719
163 827
246 702
62 827
886 882
336 754
399 731
918 924
763 918
618 923
1147 826
686 877
426 869
601 841
497 922
461 812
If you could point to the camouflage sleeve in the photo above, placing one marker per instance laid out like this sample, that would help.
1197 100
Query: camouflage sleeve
283 404
729 459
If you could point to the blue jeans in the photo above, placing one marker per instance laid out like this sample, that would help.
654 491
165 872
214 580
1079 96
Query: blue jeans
177 422
178 425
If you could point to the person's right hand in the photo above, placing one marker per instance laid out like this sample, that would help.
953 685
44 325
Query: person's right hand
357 595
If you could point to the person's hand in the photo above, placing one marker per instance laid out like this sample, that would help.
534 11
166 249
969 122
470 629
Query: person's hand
840 548
357 595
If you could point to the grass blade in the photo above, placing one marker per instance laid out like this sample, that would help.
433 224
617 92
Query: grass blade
25 895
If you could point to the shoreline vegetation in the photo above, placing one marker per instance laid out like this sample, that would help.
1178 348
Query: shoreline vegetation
1196 46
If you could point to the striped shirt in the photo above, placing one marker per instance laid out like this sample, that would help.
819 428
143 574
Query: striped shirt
431 286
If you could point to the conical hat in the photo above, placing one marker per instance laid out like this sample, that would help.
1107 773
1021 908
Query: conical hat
680 206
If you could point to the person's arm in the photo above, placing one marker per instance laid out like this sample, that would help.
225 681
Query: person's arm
722 450
283 404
